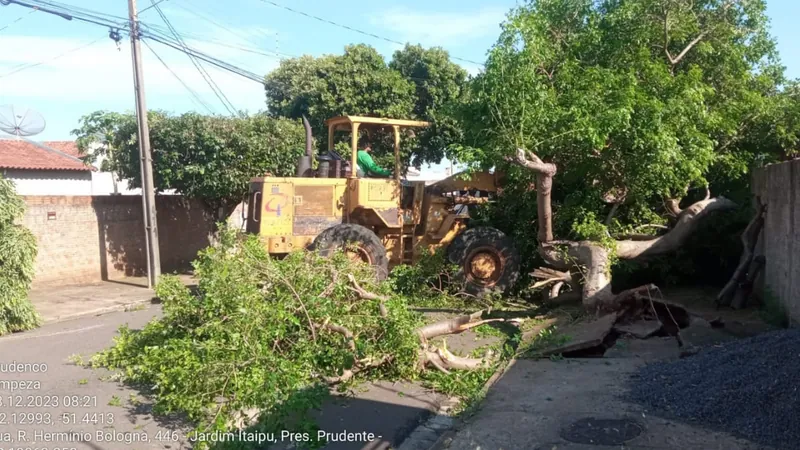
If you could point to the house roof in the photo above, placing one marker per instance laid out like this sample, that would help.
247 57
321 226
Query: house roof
30 155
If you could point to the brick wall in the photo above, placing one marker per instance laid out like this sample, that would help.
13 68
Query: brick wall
83 238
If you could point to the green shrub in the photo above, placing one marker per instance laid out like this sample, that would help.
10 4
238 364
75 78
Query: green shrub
17 256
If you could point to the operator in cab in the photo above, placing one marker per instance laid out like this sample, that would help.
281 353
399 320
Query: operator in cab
367 166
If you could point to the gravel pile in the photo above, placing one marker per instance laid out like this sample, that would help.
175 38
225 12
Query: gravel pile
749 388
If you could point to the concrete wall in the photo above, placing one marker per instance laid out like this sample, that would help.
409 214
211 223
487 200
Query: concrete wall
778 186
66 182
89 238
103 184
50 182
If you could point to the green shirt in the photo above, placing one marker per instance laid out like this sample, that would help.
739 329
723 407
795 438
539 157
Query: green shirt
368 166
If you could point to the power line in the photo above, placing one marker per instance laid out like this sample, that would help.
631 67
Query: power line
146 31
194 94
355 30
18 19
198 14
267 53
206 76
151 6
69 12
209 59
30 66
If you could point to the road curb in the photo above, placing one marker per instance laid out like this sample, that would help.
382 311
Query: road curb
439 430
100 311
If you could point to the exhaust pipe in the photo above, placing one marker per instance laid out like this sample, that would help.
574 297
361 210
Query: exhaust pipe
306 163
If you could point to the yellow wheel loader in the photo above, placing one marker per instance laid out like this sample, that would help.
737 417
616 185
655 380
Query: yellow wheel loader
381 221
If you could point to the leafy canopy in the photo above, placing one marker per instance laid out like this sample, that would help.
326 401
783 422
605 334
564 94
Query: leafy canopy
206 157
415 84
633 100
17 256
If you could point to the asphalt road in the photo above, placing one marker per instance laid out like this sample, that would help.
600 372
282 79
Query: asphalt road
48 402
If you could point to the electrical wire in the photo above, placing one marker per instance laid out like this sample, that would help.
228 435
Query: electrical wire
206 76
18 19
22 67
69 12
148 31
199 101
355 30
193 11
207 58
151 6
120 27
268 53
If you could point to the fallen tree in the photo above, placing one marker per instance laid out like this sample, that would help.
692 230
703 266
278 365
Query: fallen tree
589 262
261 341
630 118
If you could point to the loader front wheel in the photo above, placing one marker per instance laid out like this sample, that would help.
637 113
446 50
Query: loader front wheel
358 243
487 260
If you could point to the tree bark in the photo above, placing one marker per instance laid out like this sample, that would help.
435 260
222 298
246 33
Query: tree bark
749 240
674 239
544 185
745 289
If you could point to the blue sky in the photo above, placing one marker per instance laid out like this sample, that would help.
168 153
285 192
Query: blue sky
98 76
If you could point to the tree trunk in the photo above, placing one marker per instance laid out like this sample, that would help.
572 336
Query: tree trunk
591 258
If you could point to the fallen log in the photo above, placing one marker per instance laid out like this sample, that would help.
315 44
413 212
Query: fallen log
455 325
745 289
749 239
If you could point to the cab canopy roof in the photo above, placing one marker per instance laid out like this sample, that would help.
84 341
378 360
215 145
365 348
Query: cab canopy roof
346 122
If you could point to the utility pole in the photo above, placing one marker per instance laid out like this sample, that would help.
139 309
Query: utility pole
145 155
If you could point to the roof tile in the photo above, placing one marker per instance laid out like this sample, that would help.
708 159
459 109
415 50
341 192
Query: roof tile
25 154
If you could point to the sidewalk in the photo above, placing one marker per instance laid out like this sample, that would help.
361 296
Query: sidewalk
57 303
575 404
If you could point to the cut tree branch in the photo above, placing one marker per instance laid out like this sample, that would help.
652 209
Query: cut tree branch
348 374
442 359
749 239
366 295
544 186
685 225
348 335
453 326
556 289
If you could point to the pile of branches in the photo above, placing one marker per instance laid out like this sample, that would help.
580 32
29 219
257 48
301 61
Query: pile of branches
265 339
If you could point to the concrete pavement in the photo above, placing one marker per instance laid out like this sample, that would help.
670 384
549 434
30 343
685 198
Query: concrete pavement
57 303
536 403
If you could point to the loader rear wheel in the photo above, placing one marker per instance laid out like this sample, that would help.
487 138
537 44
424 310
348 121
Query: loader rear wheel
358 243
487 260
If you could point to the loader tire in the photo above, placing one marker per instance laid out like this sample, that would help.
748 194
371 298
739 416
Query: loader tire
358 242
487 261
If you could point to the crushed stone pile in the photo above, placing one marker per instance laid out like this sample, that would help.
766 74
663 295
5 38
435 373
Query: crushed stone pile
749 388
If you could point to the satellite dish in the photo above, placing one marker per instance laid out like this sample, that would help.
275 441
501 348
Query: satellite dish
20 121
